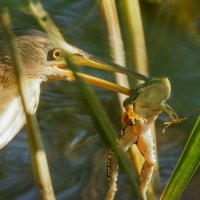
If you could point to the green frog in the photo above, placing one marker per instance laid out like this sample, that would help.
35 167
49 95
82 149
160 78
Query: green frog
141 110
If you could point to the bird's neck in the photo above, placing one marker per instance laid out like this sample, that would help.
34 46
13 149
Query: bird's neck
32 92
12 117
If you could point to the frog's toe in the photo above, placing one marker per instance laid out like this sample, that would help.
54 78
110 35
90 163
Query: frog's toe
178 120
175 121
141 119
181 119
133 115
166 126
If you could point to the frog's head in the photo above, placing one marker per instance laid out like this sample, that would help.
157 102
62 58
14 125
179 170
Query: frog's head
155 91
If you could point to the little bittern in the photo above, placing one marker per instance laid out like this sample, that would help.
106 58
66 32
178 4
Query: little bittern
41 61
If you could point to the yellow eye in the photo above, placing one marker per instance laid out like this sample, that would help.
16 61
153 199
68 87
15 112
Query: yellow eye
56 54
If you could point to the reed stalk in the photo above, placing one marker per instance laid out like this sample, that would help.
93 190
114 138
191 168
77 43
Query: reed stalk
135 36
38 155
108 8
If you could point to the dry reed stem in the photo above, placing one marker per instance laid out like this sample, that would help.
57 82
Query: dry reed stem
133 21
117 52
38 155
109 10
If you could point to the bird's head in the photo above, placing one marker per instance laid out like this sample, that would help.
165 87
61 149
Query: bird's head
42 60
40 57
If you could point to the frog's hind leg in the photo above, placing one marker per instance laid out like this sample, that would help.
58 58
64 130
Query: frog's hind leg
124 141
112 173
146 146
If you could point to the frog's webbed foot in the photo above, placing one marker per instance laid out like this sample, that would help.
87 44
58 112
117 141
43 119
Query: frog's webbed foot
172 122
173 116
133 115
130 114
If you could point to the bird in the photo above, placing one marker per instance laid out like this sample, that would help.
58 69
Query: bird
41 61
39 58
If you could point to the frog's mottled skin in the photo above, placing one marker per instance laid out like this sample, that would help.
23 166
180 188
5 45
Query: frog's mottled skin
142 109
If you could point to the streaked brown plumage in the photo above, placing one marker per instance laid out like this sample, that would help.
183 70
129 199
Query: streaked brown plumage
38 65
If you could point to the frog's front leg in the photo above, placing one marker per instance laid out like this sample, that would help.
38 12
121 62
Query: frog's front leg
146 146
173 116
130 114
124 141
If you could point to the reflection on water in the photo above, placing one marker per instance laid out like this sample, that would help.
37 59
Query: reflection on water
76 153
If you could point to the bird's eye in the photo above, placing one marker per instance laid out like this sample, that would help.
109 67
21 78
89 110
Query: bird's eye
56 54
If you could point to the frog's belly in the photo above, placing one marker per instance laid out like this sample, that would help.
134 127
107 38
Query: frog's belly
150 114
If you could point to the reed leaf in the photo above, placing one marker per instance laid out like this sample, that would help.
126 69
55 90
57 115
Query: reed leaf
186 166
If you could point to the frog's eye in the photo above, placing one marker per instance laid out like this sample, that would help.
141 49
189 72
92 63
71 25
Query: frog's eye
56 53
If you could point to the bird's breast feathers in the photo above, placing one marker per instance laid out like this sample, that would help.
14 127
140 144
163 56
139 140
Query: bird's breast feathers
12 116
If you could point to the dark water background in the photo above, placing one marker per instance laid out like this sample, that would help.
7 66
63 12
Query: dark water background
76 153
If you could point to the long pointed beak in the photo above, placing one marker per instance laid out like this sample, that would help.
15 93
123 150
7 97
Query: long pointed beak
80 58
105 84
94 81
83 59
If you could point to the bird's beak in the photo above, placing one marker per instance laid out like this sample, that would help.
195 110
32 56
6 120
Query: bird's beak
83 59
61 67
